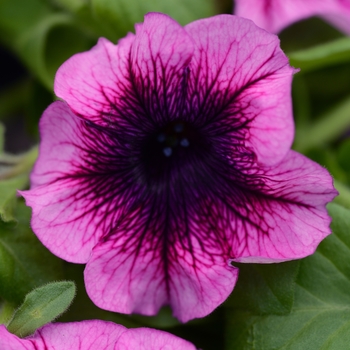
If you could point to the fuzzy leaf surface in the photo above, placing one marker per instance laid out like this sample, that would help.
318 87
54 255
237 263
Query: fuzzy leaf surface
42 306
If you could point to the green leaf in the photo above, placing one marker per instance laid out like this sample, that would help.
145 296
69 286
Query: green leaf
84 17
41 36
16 16
8 190
320 317
46 45
14 175
337 51
301 101
6 311
72 5
343 154
265 289
24 262
330 126
2 138
41 306
119 16
344 194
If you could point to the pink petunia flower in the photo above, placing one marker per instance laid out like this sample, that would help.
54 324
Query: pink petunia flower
275 15
170 159
93 335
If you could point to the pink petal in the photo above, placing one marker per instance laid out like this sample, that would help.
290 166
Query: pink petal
93 83
240 73
144 266
150 339
60 146
8 341
84 335
159 228
93 335
69 200
275 15
136 80
160 56
286 218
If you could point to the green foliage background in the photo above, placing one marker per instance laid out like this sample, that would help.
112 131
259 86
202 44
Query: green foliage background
294 305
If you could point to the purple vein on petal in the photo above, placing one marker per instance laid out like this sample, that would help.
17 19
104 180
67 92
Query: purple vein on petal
172 158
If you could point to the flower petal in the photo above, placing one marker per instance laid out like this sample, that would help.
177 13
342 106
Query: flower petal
284 217
94 83
71 197
241 77
164 173
140 80
275 15
93 334
149 339
60 146
153 260
160 56
10 341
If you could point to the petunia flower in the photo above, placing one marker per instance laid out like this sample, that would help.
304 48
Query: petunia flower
169 160
275 15
93 335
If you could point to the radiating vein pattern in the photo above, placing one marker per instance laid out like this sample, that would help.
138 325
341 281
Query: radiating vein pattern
170 159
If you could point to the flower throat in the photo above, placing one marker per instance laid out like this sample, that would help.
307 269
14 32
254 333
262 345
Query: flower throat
169 151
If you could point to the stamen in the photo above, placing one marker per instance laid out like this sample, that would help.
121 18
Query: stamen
184 143
167 151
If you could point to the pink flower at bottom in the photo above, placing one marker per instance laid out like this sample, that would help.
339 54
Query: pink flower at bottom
169 158
275 15
93 335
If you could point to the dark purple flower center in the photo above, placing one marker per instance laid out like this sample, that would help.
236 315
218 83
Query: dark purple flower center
167 153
